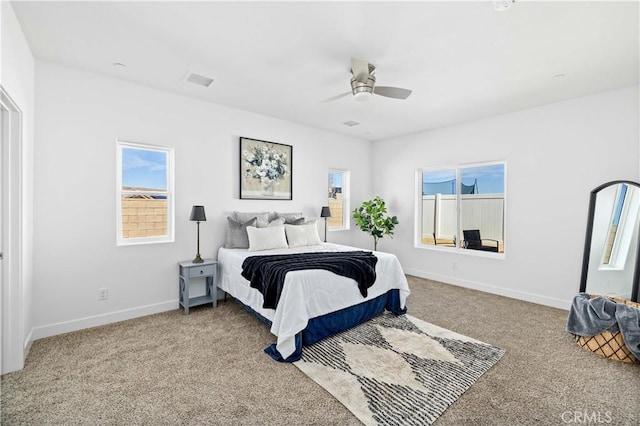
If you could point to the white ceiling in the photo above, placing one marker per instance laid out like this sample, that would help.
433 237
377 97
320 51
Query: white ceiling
462 60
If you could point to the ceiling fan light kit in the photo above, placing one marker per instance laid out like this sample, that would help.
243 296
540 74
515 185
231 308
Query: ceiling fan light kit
363 90
362 96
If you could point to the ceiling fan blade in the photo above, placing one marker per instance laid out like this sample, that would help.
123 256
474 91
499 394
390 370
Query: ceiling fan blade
342 95
360 70
392 92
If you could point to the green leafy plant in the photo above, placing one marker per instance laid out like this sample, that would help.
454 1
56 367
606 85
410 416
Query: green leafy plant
372 218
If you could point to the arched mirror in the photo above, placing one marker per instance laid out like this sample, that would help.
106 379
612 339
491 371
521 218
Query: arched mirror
612 245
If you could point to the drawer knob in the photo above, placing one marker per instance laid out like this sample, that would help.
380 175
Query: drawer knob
201 272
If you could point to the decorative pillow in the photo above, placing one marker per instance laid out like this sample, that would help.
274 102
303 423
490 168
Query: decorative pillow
269 238
296 221
303 235
237 233
272 216
245 216
290 217
274 222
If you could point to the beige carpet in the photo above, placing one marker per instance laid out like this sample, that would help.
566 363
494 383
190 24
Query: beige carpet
209 368
397 370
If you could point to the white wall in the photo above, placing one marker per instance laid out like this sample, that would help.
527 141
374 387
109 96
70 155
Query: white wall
80 117
17 78
556 154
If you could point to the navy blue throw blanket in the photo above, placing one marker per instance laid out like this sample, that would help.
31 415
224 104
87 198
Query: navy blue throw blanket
267 273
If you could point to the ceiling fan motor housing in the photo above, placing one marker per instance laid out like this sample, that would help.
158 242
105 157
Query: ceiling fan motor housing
363 83
365 86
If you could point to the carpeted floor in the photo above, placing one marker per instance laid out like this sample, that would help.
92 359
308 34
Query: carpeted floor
209 368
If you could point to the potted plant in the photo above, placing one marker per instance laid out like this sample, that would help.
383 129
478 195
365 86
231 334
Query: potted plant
372 218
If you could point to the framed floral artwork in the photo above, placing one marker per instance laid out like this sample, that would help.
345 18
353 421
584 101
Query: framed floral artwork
265 170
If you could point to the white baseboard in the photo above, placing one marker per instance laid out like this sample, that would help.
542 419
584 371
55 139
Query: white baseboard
97 320
501 291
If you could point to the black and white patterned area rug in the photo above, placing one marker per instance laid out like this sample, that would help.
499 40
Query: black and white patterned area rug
397 370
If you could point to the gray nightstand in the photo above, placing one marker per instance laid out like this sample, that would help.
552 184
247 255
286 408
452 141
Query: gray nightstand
207 270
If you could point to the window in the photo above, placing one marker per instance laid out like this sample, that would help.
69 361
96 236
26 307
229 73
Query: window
144 193
439 207
462 207
621 227
338 199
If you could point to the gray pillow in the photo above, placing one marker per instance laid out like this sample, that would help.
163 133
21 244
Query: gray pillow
274 222
289 218
245 216
272 216
296 222
237 233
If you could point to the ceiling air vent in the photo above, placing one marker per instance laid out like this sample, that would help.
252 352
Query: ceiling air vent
351 123
199 79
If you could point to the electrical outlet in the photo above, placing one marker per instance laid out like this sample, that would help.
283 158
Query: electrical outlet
454 265
103 293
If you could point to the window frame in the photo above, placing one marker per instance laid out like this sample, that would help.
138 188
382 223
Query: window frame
346 212
170 195
624 230
419 202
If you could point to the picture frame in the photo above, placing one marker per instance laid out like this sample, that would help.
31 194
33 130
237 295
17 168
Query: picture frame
266 170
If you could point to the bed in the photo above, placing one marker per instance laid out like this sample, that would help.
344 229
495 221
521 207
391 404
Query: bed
314 303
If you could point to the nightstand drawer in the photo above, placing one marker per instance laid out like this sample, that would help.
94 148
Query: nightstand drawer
201 271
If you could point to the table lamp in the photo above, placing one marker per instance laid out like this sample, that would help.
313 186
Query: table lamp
325 212
197 215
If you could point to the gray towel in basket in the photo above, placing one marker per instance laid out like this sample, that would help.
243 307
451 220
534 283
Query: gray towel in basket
589 317
629 323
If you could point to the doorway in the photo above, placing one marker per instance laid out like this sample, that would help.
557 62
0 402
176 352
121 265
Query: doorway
11 298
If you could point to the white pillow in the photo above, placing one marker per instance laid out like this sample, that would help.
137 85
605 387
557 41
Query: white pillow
302 235
269 238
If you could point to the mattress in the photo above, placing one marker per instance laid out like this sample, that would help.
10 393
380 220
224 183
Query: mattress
306 294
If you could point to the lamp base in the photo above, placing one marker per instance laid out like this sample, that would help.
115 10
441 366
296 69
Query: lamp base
325 229
198 259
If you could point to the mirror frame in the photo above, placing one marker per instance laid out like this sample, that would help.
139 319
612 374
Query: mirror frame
587 240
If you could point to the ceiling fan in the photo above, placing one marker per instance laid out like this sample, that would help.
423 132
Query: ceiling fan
363 84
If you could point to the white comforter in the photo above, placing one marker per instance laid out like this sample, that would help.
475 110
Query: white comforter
317 292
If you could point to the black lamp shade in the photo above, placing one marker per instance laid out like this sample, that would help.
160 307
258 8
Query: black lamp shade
326 212
197 214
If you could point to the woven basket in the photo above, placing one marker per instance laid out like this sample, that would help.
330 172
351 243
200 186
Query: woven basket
609 345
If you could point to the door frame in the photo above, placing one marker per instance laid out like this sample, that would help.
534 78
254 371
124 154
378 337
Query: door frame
11 295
